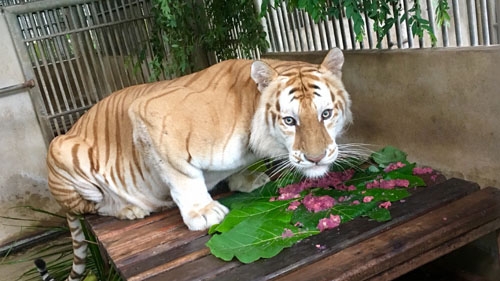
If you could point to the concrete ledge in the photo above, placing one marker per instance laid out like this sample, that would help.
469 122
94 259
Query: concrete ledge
442 106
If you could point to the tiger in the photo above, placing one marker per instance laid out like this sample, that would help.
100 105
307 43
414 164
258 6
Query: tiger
168 143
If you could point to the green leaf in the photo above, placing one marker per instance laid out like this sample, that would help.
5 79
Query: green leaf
387 155
255 226
254 239
275 209
414 180
379 214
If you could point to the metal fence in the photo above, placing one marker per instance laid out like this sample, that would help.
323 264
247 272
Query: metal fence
79 51
472 23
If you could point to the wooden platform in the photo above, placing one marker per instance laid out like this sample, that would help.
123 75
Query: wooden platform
432 222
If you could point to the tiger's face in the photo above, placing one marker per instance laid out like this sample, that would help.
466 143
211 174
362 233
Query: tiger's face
304 108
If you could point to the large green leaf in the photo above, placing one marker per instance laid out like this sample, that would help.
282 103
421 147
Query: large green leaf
260 226
253 239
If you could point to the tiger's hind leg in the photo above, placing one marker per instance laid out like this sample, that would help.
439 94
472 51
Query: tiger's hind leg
79 252
70 175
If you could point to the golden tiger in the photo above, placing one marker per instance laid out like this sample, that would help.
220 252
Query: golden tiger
149 146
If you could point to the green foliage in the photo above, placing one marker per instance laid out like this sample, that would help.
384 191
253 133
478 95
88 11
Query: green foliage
59 253
387 155
442 16
232 28
384 13
234 25
180 28
173 36
259 226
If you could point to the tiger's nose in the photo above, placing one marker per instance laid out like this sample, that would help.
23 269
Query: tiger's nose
315 158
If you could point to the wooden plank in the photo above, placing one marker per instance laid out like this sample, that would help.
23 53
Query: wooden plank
407 241
399 269
189 258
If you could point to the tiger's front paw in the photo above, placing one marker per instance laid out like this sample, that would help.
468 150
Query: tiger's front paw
201 219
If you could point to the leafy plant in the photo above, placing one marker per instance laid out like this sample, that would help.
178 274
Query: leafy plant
59 253
182 30
228 28
262 223
384 13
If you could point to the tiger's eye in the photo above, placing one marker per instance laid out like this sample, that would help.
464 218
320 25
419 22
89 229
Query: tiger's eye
326 114
290 121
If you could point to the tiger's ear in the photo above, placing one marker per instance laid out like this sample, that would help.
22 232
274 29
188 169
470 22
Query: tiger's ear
262 73
334 61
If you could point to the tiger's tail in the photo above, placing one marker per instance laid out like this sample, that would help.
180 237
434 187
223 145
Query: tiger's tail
42 269
79 252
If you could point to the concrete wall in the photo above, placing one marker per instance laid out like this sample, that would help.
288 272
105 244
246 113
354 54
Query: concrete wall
22 150
441 106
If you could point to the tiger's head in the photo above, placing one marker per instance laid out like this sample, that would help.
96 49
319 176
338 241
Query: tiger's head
303 108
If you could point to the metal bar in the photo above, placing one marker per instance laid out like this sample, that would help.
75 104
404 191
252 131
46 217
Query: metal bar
142 32
328 33
283 36
15 88
25 61
342 31
408 28
369 29
471 16
126 37
277 30
312 28
336 32
307 29
484 22
322 35
79 38
497 24
58 47
286 28
32 7
58 90
100 48
270 32
457 20
296 31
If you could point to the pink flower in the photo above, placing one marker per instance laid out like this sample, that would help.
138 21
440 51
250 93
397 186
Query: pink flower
318 203
329 223
394 166
293 205
287 233
367 199
422 170
355 202
385 205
